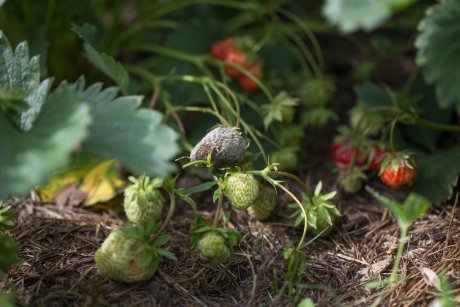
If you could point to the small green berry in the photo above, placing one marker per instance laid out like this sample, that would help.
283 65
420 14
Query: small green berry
143 201
241 189
264 204
212 247
119 258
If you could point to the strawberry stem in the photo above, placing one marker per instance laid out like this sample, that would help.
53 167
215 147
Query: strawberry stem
218 210
296 179
392 132
169 215
433 125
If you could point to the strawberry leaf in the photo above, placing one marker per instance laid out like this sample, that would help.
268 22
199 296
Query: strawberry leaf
146 258
6 217
351 15
437 174
167 254
415 206
107 64
162 240
28 158
201 187
438 51
20 82
136 137
372 95
312 218
324 215
8 255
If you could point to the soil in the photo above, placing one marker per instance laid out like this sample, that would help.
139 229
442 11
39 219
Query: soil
57 245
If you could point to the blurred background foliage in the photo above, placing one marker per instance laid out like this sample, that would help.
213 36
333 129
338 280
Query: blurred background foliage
308 50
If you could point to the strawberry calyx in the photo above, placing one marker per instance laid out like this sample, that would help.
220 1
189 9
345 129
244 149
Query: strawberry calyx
321 211
397 161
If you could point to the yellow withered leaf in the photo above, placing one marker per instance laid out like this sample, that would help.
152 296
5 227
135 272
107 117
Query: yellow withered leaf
101 183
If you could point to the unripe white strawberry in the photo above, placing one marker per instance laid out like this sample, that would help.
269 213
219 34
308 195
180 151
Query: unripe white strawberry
241 189
212 247
228 147
351 182
119 258
263 206
143 201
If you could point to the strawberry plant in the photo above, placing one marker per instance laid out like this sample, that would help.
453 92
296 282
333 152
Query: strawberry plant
290 123
127 255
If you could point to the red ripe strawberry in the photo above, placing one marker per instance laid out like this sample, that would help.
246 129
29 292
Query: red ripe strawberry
247 83
398 170
377 154
235 57
220 48
342 153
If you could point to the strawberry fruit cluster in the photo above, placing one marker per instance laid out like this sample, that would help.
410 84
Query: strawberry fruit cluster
355 152
236 52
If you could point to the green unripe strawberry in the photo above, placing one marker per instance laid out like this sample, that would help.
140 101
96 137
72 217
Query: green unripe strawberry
143 201
119 258
286 157
263 206
351 182
212 247
241 189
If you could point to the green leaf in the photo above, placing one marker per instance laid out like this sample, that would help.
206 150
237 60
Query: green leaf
107 64
191 38
306 302
312 218
8 251
167 254
21 76
6 217
162 240
324 215
437 174
394 206
29 158
136 137
215 196
372 95
146 258
351 15
201 187
6 300
186 197
415 206
424 97
201 229
439 51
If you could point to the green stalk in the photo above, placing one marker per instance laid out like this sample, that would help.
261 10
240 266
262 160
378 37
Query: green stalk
296 179
398 257
392 132
172 207
218 210
264 175
437 126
